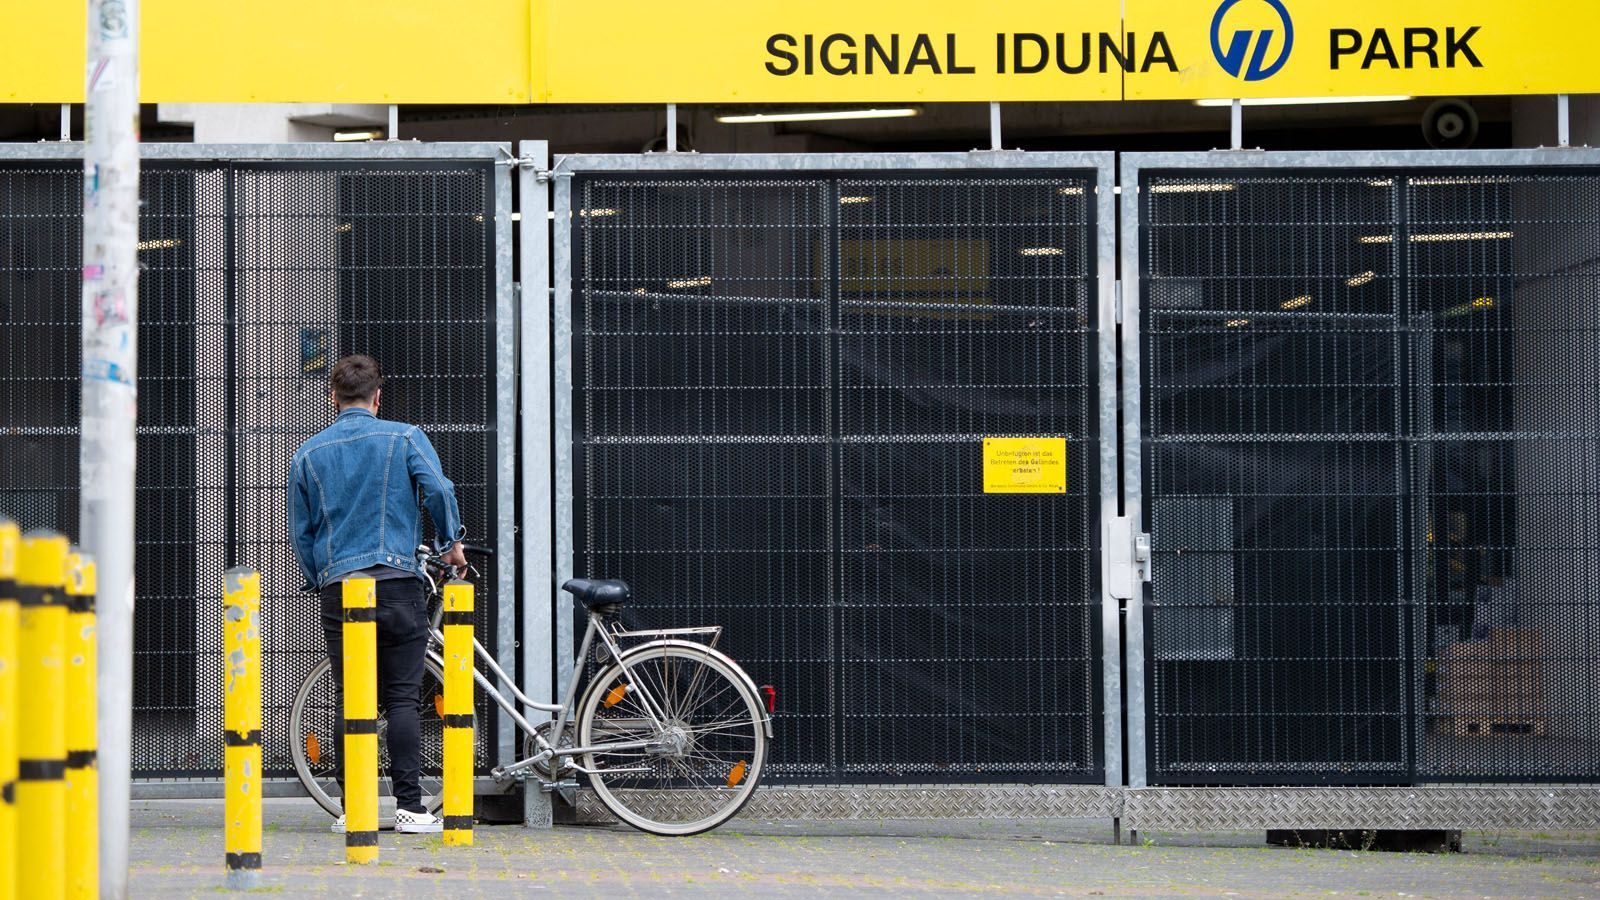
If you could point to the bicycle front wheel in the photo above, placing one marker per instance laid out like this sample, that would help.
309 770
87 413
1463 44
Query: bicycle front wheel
314 749
701 765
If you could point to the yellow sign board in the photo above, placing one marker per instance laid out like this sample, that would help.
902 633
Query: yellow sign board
833 51
1317 48
1024 465
820 51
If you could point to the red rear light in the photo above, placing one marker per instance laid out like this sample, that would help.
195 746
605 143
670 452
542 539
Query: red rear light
771 693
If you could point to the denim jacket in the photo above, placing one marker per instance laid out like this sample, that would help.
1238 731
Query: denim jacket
353 490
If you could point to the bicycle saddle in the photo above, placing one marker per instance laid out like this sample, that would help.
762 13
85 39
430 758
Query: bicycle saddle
599 594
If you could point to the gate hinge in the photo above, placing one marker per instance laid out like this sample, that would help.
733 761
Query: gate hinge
1127 558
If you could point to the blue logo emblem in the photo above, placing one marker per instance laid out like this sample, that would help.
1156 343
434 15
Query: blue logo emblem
1233 59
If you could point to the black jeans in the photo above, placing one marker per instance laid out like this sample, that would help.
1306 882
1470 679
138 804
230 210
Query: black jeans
402 644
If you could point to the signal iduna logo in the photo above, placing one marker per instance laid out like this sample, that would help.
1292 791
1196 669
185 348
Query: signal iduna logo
1252 54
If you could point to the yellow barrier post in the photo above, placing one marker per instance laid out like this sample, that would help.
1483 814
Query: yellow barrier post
82 781
41 735
241 716
9 539
360 720
458 737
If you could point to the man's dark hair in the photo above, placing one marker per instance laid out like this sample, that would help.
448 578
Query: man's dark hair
355 379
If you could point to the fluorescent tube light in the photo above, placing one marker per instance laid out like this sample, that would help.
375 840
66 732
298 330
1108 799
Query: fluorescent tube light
855 199
1193 187
1302 101
1236 323
1359 280
1296 303
820 115
599 213
1463 236
1041 251
1071 191
702 281
159 244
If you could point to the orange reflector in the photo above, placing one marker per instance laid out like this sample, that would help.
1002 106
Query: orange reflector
736 774
438 704
614 696
313 748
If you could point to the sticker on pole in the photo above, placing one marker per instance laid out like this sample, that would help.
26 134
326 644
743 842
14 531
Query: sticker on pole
1024 465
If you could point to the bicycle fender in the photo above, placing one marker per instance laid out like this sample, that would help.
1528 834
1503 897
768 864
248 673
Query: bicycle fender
766 718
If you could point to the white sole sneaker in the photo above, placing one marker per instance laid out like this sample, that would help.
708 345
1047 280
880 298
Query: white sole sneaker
417 823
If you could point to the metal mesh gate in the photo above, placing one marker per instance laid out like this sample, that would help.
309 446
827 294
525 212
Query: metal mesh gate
782 382
255 277
1370 438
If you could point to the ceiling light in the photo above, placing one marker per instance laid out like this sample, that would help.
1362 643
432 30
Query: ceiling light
1296 303
1193 187
344 227
1071 191
1236 323
1301 101
1382 182
159 244
1470 179
596 213
702 281
1041 251
855 199
347 136
820 115
1359 280
1477 304
1377 239
1463 236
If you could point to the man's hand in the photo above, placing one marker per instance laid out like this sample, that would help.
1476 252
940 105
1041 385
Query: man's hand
456 557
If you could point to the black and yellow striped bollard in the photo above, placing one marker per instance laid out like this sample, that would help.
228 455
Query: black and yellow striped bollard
41 730
10 538
83 774
360 720
458 736
241 713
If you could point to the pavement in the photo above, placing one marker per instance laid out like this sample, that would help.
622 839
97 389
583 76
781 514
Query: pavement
177 852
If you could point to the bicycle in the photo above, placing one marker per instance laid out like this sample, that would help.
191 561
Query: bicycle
670 733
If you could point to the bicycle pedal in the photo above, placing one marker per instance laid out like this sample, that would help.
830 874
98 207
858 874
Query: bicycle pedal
566 790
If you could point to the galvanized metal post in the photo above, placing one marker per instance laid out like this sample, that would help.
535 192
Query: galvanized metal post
672 128
394 122
1236 124
994 125
1563 120
110 369
66 122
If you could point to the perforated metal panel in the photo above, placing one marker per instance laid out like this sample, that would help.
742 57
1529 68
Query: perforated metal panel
256 275
782 382
1369 433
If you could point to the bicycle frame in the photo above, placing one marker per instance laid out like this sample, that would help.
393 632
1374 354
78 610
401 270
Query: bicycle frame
550 748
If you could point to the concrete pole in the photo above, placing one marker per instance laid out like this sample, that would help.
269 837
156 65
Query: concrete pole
110 358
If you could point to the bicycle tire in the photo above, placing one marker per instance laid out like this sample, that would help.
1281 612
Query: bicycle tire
317 778
736 747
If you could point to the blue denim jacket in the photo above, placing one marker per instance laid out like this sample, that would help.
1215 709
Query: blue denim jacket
353 491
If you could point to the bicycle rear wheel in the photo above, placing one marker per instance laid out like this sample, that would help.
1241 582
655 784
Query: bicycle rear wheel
315 751
702 766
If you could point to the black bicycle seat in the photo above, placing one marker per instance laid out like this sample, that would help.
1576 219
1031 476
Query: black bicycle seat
599 594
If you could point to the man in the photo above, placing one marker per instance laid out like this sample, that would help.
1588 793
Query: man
353 492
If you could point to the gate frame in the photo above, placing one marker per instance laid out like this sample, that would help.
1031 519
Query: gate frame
842 800
504 407
1436 805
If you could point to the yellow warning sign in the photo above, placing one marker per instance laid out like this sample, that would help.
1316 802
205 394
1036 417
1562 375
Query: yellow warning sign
1024 465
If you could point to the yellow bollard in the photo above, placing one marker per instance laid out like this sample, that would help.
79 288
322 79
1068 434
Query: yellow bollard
458 737
9 539
241 718
82 781
360 720
41 734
